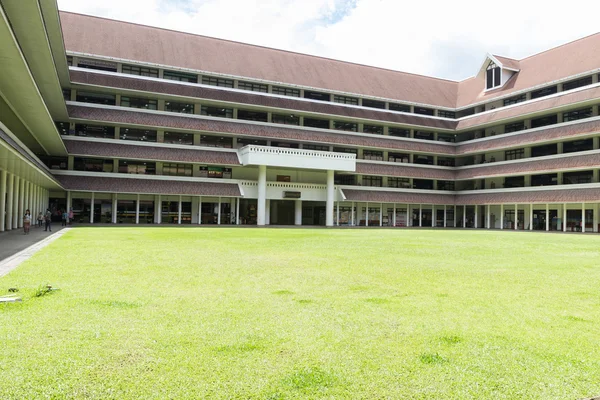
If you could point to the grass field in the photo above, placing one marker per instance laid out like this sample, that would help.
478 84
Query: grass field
158 313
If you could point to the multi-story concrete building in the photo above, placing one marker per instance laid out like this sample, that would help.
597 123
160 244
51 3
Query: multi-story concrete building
126 123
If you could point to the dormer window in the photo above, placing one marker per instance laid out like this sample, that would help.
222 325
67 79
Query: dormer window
492 75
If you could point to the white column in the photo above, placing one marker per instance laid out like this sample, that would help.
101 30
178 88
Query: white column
330 199
200 211
408 221
3 175
15 200
564 222
337 216
68 204
159 209
237 211
367 215
31 200
219 213
464 216
582 218
394 216
516 217
21 202
26 199
445 215
547 218
595 218
179 211
454 217
352 214
476 222
433 216
420 215
298 212
488 217
501 216
137 209
530 217
262 196
380 214
92 209
267 212
114 209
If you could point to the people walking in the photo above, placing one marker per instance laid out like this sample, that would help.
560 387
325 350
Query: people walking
65 218
40 219
26 222
70 216
48 219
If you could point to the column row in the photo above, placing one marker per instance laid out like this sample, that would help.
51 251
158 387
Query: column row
16 196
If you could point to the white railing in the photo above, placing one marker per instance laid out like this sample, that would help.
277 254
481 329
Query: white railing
295 152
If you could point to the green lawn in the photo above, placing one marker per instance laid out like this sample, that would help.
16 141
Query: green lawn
156 313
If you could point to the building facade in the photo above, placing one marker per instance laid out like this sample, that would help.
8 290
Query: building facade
124 123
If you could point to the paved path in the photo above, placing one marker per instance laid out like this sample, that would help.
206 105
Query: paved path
16 247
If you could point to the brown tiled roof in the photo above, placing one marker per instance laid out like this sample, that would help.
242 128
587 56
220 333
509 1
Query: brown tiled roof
92 35
523 109
543 135
508 62
147 186
404 170
558 63
291 103
181 121
542 196
532 166
378 196
120 150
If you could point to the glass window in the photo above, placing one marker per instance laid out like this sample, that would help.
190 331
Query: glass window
96 98
398 157
137 167
373 103
179 138
446 137
286 119
345 126
544 150
137 102
345 100
423 184
514 127
446 114
216 141
254 87
342 179
184 108
423 159
544 180
445 185
577 83
373 155
215 172
577 114
399 107
446 162
514 181
424 135
63 127
394 182
92 164
320 96
140 135
493 73
514 154
373 129
345 150
578 145
315 147
97 64
423 111
283 91
95 131
252 115
285 145
141 71
216 112
577 177
543 92
316 123
515 100
399 132
180 76
544 121
173 169
54 162
208 80
368 180
241 142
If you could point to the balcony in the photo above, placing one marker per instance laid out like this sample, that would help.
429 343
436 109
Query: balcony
297 158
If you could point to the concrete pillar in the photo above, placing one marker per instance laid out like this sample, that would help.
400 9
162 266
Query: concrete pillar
15 201
159 209
137 209
219 213
179 211
531 217
516 217
21 202
380 214
595 216
3 175
433 216
298 212
394 216
367 214
237 211
564 217
582 217
476 223
200 211
262 195
501 216
488 217
337 214
454 217
267 212
69 203
330 199
114 209
445 214
352 215
464 216
547 217
92 209
26 199
420 215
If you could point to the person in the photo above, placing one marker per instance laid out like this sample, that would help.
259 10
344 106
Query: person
26 222
65 218
70 215
40 219
48 219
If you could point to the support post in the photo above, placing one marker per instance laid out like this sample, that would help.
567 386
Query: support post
262 196
298 212
582 217
337 217
267 212
445 216
159 209
433 216
420 215
516 217
179 206
488 216
114 209
501 216
352 214
92 209
476 222
219 213
464 216
547 217
394 216
3 177
380 214
454 217
21 202
237 211
530 217
200 210
564 217
15 201
137 209
69 204
330 199
367 215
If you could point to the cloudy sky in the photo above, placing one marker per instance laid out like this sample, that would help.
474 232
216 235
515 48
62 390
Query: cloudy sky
446 39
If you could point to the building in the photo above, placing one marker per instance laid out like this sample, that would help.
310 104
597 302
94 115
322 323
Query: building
126 123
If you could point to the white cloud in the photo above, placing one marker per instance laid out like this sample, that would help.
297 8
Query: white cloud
436 37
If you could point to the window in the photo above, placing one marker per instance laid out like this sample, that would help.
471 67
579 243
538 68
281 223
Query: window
373 103
96 98
398 182
345 126
184 108
344 179
318 147
445 185
515 100
423 184
283 91
577 177
578 145
423 135
180 76
215 172
54 162
252 115
345 150
97 64
137 102
373 129
446 114
141 71
466 112
399 132
286 145
63 128
577 114
66 94
577 83
493 76
543 92
399 107
179 138
544 180
253 87
544 121
423 111
137 167
308 94
514 181
209 80
423 159
286 119
316 123
514 154
372 181
216 112
345 100
373 155
446 162
173 169
514 127
104 132
92 164
140 135
545 150
216 141
241 142
446 137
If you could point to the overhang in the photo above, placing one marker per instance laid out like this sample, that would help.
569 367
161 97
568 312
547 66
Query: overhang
297 158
